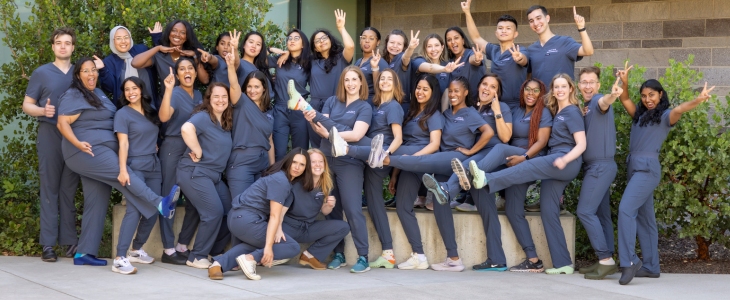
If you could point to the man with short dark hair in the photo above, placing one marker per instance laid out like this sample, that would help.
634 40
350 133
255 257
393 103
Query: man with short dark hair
57 182
554 54
508 60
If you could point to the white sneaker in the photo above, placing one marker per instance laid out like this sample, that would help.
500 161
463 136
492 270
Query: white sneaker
339 146
248 267
376 152
199 263
500 203
420 202
139 256
414 263
449 265
122 266
466 207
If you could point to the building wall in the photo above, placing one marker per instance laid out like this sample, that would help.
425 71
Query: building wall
649 33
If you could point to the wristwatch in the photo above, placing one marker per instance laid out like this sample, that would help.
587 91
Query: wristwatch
526 156
498 116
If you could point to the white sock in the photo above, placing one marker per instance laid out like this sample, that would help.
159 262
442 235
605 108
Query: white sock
170 251
181 248
608 262
422 257
215 264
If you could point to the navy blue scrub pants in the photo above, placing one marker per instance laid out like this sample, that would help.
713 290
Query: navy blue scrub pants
374 189
58 186
406 191
250 228
289 122
98 175
171 150
314 139
244 168
436 163
324 234
348 176
210 196
636 212
146 168
594 206
553 183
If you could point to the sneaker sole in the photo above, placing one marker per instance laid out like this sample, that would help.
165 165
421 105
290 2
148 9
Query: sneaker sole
491 269
137 260
335 268
528 270
306 263
191 264
460 172
363 271
376 148
387 266
476 174
464 210
331 138
447 269
117 270
241 264
433 186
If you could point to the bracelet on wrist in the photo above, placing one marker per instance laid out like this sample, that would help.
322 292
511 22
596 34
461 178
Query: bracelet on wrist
582 29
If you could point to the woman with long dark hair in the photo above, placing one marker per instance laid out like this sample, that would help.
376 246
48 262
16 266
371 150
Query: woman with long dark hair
256 217
347 112
207 135
330 58
432 59
254 57
178 101
178 40
86 121
117 67
652 119
398 53
369 42
459 47
136 126
216 58
558 168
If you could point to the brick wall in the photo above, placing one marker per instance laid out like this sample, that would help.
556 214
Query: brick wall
649 33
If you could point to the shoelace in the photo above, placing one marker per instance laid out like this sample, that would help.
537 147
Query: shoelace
123 262
141 253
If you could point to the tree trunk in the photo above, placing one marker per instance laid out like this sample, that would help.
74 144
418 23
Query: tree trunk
703 248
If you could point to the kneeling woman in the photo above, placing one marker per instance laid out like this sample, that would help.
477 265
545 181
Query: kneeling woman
256 217
652 121
208 137
300 218
86 120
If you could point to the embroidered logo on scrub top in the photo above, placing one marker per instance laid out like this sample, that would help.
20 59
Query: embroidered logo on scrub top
364 68
560 118
380 112
588 110
442 75
458 119
526 119
350 112
392 65
268 116
507 58
551 51
299 67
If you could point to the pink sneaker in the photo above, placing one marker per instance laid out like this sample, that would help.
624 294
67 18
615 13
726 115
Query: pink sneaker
449 265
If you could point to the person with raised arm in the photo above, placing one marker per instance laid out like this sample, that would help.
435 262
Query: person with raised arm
216 58
554 54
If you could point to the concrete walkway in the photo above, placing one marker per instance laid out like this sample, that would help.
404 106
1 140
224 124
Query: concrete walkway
30 278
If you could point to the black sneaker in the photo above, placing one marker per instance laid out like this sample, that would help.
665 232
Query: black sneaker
486 266
628 273
49 255
175 259
390 204
528 266
645 273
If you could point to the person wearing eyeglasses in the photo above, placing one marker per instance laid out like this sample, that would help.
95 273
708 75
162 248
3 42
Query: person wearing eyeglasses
117 67
294 65
330 58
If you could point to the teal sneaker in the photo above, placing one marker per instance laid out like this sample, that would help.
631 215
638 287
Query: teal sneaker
361 266
337 262
434 187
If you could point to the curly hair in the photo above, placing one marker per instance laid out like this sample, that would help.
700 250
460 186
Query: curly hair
206 106
334 52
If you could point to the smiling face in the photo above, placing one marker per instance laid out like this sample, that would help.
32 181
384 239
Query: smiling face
254 89
132 92
506 31
457 94
89 75
294 42
455 42
650 98
63 46
561 89
186 73
252 45
395 44
322 42
434 49
423 92
352 83
538 21
317 161
298 166
178 35
386 82
488 89
589 85
224 46
532 91
122 40
369 41
219 99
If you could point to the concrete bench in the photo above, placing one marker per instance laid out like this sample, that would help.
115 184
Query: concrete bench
469 236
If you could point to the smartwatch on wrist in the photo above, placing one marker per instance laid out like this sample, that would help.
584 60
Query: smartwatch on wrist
526 156
582 29
498 116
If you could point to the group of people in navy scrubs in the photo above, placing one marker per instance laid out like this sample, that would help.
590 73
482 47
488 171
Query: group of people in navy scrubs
266 161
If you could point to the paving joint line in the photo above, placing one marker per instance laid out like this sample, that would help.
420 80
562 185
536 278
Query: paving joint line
45 286
213 281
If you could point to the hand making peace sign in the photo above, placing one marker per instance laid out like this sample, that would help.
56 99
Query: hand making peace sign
414 40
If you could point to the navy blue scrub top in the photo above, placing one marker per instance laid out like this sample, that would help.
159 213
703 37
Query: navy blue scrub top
460 129
215 142
344 115
94 125
413 135
443 78
557 56
650 138
600 131
513 75
470 72
489 117
565 123
48 82
323 85
251 127
288 71
404 76
521 126
384 116
220 73
183 106
275 187
306 205
368 72
141 133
